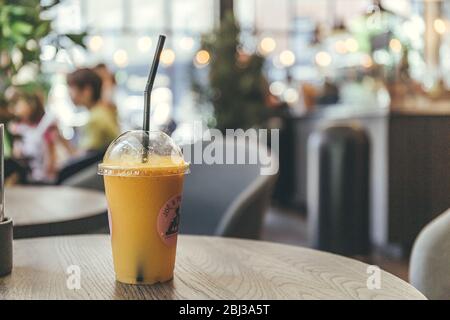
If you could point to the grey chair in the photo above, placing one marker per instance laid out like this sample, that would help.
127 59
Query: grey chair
226 200
429 269
86 178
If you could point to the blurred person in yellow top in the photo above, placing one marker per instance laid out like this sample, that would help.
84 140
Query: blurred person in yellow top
85 89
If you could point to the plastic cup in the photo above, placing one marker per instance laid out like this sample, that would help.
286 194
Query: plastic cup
143 174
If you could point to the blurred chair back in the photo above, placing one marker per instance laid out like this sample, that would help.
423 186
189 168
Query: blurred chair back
226 199
86 178
430 259
338 189
76 165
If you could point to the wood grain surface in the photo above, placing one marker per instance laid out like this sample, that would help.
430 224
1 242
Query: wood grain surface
206 268
43 211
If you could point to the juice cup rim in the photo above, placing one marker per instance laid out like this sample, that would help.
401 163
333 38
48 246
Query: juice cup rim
136 171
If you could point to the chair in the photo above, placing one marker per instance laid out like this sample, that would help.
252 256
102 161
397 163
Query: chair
74 166
86 178
226 200
338 170
430 259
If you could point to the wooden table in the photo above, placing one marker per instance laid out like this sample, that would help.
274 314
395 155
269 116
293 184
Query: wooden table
59 210
206 268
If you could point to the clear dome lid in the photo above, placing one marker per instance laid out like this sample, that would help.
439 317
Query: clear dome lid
143 153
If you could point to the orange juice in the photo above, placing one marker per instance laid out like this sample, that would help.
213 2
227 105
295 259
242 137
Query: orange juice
144 209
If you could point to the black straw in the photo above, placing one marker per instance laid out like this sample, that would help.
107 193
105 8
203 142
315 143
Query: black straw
148 94
150 81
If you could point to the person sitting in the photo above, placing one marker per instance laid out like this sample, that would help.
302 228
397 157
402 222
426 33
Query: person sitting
36 135
108 85
85 89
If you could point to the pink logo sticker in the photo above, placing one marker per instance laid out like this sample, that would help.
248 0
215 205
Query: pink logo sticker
168 220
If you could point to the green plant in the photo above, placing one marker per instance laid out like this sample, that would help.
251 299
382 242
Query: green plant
235 85
22 29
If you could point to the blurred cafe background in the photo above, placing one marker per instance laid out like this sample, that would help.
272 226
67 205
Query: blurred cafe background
359 89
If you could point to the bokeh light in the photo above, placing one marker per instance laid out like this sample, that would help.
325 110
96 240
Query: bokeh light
277 88
287 58
440 26
95 43
267 45
202 58
167 57
323 59
351 45
395 45
145 44
31 45
291 96
187 43
120 58
340 47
